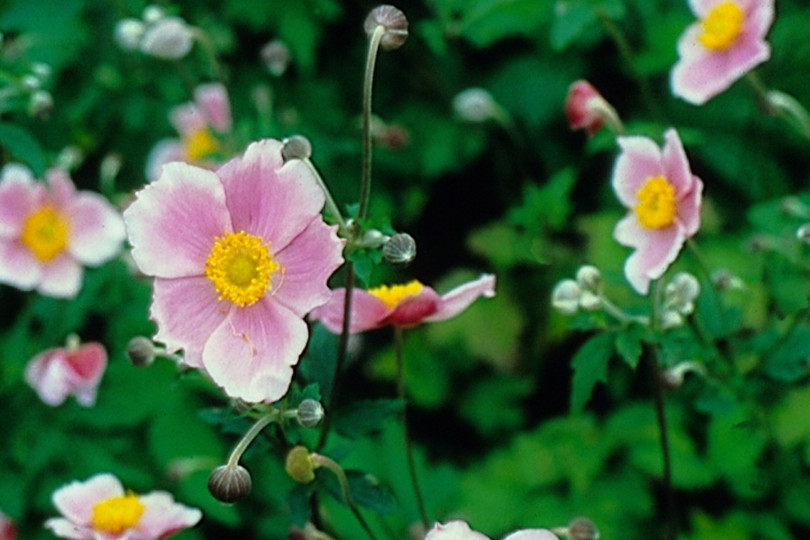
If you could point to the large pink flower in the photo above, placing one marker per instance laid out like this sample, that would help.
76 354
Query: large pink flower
199 124
459 530
404 305
664 199
73 370
100 509
48 233
726 42
239 257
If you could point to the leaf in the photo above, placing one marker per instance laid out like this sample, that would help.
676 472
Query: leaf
23 147
366 416
590 365
486 21
571 19
629 344
789 361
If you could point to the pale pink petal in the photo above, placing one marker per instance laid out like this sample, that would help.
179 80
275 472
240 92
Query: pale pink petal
265 198
162 517
759 17
212 99
96 229
368 311
75 501
62 190
457 300
187 311
676 166
18 266
308 261
413 309
639 161
61 277
653 257
173 222
532 534
16 199
187 119
689 208
454 530
252 353
64 528
49 375
164 151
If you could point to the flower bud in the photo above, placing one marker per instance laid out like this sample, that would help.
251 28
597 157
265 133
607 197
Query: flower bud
475 105
140 351
310 413
681 293
299 465
373 238
276 57
672 378
587 109
589 278
229 483
671 319
152 14
400 249
803 233
590 301
40 104
169 38
394 22
582 528
725 280
128 33
296 147
41 70
565 297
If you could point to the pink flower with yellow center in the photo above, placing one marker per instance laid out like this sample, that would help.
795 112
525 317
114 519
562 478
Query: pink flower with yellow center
459 530
664 200
403 305
48 233
200 124
73 370
100 509
725 43
239 257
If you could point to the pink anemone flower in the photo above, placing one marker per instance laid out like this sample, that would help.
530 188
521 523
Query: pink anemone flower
459 530
199 124
725 43
73 370
403 305
586 109
664 199
100 509
48 233
239 256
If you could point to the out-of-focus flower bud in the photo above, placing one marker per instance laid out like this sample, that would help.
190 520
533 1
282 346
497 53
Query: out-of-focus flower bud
681 292
725 280
310 413
587 109
152 14
590 301
803 233
170 38
276 57
400 249
128 33
229 483
141 351
565 297
671 319
30 82
672 378
394 22
296 147
475 105
582 528
589 278
41 70
40 104
299 465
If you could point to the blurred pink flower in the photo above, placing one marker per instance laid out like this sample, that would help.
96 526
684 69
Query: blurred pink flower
100 509
8 531
73 370
404 305
585 107
664 199
726 42
48 233
198 123
239 257
459 530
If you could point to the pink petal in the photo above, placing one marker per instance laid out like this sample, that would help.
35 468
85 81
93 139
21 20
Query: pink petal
64 528
187 311
460 298
650 260
162 517
87 365
164 151
173 222
187 119
61 277
414 308
639 161
250 355
62 190
759 17
676 166
368 311
48 374
96 229
212 100
268 199
16 200
532 534
689 208
18 266
75 501
308 261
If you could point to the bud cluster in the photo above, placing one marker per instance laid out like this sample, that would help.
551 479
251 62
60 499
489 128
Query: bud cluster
679 299
157 34
584 292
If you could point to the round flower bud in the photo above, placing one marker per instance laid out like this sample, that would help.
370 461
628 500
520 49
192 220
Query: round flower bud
565 297
152 14
299 465
725 280
582 528
276 57
589 278
41 70
128 33
671 319
229 483
40 104
803 233
169 38
681 293
140 351
400 249
395 23
590 301
475 105
296 147
310 413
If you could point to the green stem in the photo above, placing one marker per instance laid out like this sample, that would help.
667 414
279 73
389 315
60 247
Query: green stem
250 435
331 206
323 461
368 83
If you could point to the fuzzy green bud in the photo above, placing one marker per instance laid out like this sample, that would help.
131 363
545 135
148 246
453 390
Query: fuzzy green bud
299 465
229 483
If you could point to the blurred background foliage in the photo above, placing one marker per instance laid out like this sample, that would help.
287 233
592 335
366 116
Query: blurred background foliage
526 199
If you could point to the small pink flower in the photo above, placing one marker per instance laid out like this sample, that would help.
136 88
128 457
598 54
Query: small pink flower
239 257
8 530
74 370
48 233
459 530
100 509
199 123
403 305
587 109
725 43
664 199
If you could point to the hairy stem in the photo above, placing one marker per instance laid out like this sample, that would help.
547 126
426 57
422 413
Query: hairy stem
260 424
368 83
323 461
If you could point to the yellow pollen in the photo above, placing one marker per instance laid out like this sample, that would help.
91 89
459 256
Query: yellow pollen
393 294
656 203
722 26
117 513
240 267
45 233
200 144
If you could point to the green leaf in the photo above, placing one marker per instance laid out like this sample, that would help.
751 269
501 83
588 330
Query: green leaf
789 361
23 147
590 365
493 405
486 21
367 416
629 344
571 19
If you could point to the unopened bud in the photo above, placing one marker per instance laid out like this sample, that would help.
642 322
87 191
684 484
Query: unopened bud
310 413
582 528
41 70
671 319
590 301
299 465
296 147
140 351
229 483
373 238
672 378
40 104
152 14
128 33
725 280
276 57
803 233
30 82
400 249
589 278
681 293
565 297
475 105
394 22
169 38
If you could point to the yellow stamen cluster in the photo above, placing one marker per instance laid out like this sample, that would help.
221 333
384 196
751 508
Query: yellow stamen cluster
722 26
117 513
393 294
656 203
240 267
45 233
200 144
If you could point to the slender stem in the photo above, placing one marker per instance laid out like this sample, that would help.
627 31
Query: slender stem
616 312
331 206
420 503
322 461
660 416
368 82
260 424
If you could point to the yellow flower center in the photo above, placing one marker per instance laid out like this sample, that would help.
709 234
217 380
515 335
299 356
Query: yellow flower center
200 144
240 267
45 233
391 295
656 203
722 26
117 513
